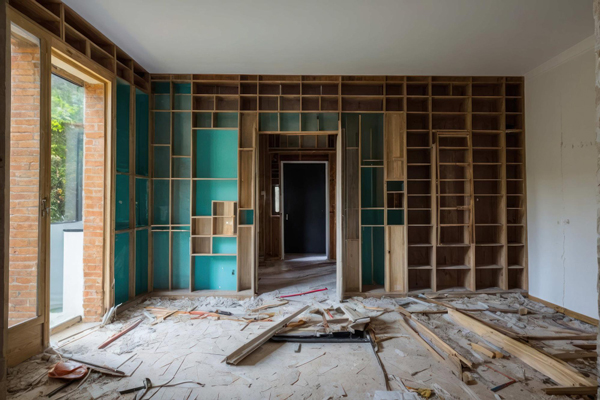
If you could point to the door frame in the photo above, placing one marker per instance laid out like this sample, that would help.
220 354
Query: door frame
327 238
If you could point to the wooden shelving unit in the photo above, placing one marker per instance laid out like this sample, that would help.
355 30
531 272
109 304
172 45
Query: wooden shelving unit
433 170
83 38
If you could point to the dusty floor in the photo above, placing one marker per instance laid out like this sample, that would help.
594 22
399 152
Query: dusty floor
184 348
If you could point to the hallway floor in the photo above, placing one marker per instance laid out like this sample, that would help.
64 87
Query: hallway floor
297 273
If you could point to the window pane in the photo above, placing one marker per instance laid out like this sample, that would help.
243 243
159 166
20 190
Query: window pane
24 175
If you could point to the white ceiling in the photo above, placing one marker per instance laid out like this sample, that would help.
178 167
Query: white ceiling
403 37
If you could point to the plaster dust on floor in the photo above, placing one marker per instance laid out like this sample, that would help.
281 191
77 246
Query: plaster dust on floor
184 347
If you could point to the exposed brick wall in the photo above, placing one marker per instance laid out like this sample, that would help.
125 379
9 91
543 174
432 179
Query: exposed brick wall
93 202
24 180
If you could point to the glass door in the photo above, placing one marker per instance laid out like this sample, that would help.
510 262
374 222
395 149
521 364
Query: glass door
29 204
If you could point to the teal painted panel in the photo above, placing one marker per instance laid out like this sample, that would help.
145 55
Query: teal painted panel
141 202
180 228
379 255
371 217
371 139
289 122
367 256
182 88
395 217
161 87
160 203
142 127
373 268
267 122
207 191
141 261
203 120
160 260
328 122
162 101
162 160
181 202
123 103
182 167
162 128
246 217
226 120
224 245
215 273
216 153
122 202
181 260
395 186
371 194
350 124
182 131
310 122
121 267
182 102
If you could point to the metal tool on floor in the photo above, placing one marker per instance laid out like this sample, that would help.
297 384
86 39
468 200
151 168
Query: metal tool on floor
504 385
147 385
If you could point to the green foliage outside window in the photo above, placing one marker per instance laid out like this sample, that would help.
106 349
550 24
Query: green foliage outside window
66 150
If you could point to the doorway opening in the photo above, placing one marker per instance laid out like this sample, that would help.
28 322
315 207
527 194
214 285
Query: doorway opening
304 200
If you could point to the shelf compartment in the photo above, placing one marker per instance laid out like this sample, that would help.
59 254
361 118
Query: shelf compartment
417 139
395 200
201 226
492 235
516 278
373 256
419 279
515 216
515 234
224 226
489 257
418 156
453 236
487 187
224 208
514 105
449 121
489 277
224 245
516 256
216 88
488 209
486 105
419 201
417 89
483 172
358 104
419 217
481 156
368 89
514 140
201 245
449 105
486 89
490 139
246 217
419 235
452 278
486 122
417 104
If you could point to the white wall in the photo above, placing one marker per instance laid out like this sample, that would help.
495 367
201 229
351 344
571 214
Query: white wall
561 180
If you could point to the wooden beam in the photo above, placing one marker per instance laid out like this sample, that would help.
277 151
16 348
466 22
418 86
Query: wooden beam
557 370
571 390
575 355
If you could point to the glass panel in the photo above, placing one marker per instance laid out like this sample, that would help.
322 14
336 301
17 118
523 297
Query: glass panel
66 195
24 173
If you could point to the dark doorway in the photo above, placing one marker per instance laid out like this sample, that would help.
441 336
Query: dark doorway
304 208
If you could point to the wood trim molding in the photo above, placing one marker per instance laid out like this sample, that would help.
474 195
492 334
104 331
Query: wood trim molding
566 311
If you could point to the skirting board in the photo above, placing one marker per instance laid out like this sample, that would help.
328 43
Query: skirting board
566 311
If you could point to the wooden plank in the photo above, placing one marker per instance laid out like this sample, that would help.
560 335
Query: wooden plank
352 266
247 348
483 350
246 175
557 370
395 125
566 311
339 238
396 270
575 355
245 257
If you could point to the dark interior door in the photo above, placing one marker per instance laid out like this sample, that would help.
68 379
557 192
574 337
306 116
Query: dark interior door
304 208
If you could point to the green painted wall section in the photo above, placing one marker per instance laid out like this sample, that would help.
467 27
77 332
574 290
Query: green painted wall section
141 261
350 123
160 205
123 111
181 260
216 153
182 167
215 273
182 131
122 202
372 217
371 193
142 139
141 202
162 128
207 191
181 202
121 267
224 245
246 217
162 161
373 268
371 139
160 256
